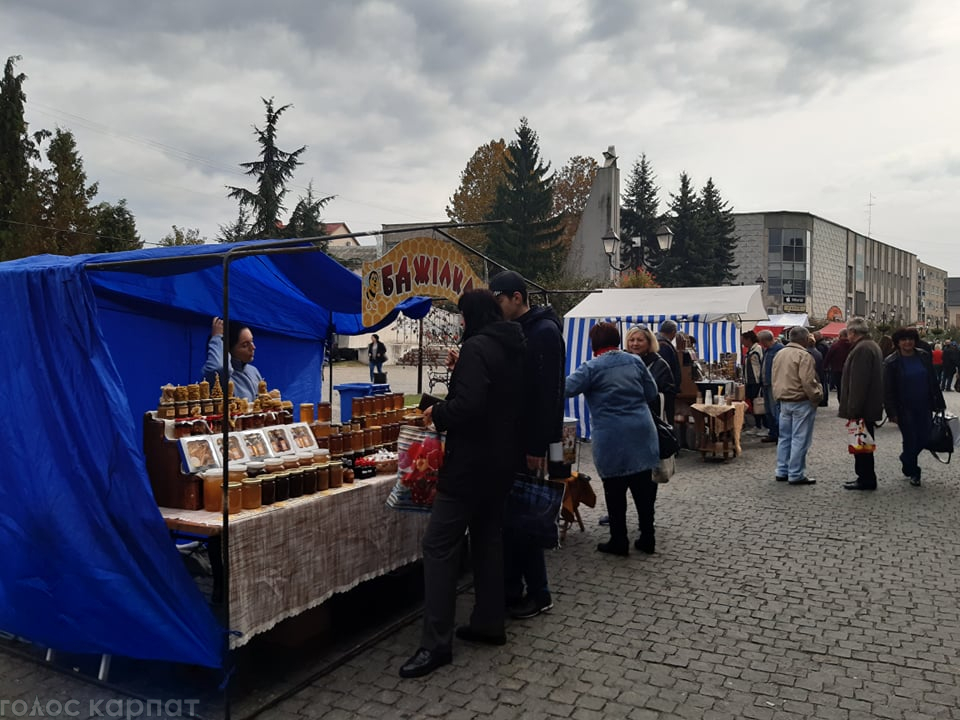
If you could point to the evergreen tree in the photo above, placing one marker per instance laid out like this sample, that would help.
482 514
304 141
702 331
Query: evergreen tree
272 172
65 199
639 215
688 262
718 227
17 149
305 220
530 241
116 228
237 230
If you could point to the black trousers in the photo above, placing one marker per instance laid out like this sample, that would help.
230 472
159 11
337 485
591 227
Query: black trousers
863 462
644 492
450 519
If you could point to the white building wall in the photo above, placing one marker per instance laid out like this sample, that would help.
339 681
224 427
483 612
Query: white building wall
828 269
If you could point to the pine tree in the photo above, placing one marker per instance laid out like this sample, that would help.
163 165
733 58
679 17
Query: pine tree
305 220
65 199
272 171
718 227
237 230
17 149
640 215
530 239
688 263
116 228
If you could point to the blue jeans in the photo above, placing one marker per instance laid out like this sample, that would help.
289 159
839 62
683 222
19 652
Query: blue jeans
771 411
375 366
796 434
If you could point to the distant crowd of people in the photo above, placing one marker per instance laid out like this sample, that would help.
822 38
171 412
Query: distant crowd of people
901 375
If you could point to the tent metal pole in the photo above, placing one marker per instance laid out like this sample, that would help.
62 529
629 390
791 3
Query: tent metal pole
225 509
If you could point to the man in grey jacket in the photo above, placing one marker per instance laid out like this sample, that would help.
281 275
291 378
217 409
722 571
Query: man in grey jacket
797 389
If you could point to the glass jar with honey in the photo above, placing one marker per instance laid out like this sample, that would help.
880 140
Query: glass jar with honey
251 493
234 497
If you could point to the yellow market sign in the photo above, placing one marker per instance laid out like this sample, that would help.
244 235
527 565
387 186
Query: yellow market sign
415 267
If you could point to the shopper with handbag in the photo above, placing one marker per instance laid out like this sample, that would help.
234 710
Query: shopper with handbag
753 377
911 394
618 389
861 396
482 418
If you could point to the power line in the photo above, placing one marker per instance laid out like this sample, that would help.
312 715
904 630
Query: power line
76 232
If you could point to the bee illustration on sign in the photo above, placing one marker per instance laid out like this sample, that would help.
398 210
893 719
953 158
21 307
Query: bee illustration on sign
373 285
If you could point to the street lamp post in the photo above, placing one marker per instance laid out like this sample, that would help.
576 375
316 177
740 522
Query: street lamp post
611 246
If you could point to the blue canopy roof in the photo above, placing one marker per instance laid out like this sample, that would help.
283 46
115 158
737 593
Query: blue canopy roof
88 563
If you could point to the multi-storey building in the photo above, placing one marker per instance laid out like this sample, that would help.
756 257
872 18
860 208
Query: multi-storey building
812 265
931 296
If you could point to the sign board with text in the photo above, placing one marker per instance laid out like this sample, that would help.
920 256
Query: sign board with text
421 266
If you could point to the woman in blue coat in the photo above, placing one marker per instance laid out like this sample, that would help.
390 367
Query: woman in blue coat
618 389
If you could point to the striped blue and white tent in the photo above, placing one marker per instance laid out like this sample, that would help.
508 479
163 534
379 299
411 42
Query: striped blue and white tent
712 315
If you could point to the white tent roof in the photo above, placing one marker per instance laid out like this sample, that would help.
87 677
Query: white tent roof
786 320
711 304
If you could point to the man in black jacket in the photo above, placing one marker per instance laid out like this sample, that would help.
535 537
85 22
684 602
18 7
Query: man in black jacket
524 562
668 331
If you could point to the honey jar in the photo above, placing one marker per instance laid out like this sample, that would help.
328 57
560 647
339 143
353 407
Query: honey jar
268 489
296 482
306 412
212 489
283 486
336 444
251 494
323 477
324 412
234 497
305 457
336 474
310 479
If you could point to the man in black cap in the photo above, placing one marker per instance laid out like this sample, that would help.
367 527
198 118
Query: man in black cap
524 562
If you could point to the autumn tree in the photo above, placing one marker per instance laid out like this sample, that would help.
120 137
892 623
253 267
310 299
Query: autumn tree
640 216
473 200
719 231
272 172
115 227
529 240
571 190
182 236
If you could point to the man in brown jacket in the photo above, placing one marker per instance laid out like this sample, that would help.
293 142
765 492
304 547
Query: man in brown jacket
798 391
861 395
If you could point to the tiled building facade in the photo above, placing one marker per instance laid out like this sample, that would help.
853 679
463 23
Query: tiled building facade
811 265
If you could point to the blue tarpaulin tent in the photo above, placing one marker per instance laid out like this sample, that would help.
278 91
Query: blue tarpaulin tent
88 564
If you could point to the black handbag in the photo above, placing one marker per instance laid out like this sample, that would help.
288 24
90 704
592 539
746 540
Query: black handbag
669 443
941 437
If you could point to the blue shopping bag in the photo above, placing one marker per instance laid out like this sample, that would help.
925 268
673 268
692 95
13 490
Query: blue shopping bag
533 507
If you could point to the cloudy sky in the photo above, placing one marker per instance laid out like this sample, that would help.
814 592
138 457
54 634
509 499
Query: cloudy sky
809 105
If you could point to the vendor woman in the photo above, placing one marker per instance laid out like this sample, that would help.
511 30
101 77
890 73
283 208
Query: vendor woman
246 378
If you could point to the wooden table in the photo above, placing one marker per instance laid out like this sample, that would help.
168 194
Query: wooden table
291 556
718 429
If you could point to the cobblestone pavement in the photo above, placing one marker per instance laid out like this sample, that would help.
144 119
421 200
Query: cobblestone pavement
763 601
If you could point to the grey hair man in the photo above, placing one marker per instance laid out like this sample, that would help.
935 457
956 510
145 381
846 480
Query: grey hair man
798 391
861 395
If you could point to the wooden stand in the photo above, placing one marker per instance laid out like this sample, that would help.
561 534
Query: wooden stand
715 426
171 487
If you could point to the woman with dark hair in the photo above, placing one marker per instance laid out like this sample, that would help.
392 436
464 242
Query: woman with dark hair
246 378
911 395
376 355
619 389
481 416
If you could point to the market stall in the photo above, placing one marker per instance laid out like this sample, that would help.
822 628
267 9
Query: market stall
711 315
89 340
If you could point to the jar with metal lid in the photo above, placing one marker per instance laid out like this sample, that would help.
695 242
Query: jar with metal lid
296 482
234 497
252 498
306 412
310 479
323 477
283 486
356 441
256 468
356 406
237 471
336 444
305 457
268 489
273 464
368 438
290 461
336 474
